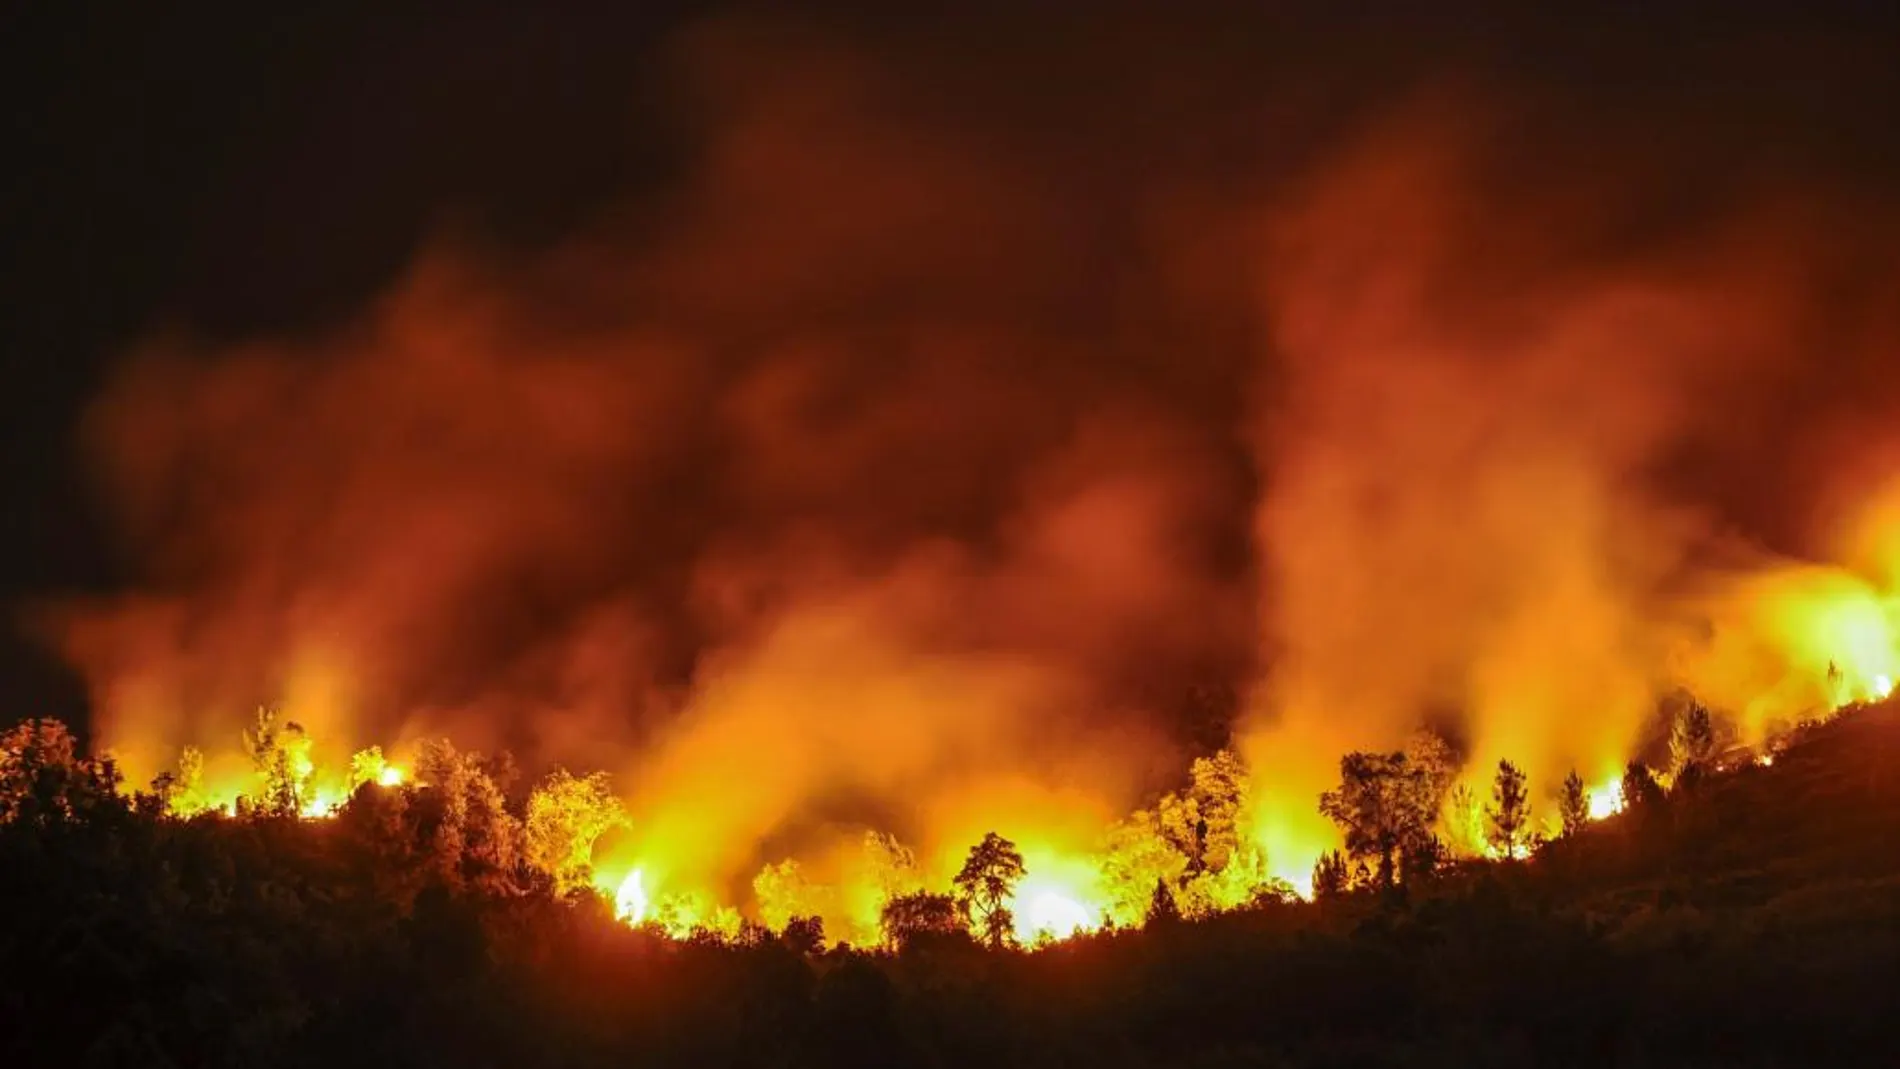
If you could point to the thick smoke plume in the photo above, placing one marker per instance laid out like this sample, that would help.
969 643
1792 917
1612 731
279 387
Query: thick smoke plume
909 461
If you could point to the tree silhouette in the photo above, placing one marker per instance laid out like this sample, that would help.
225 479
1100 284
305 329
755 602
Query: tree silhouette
804 935
44 779
1436 766
1331 877
1162 909
475 840
1691 746
1385 804
988 878
1574 804
280 754
907 919
1509 813
1640 790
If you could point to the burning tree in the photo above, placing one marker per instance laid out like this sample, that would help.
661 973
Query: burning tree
1640 790
565 817
281 755
1509 815
1136 855
1462 820
180 790
785 894
1331 876
909 918
1573 805
1691 745
1191 840
475 839
985 884
1386 805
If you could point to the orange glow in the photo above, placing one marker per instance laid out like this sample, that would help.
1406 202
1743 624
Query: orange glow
766 519
1606 799
1041 912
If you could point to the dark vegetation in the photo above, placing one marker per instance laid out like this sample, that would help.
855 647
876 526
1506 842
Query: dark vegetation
1745 917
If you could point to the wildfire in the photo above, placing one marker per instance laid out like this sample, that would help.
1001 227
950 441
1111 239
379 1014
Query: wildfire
1045 909
630 898
1218 841
1606 799
321 806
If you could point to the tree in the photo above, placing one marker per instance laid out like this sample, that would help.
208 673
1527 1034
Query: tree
1691 746
804 935
1436 766
1137 853
180 790
920 915
280 754
1220 795
1574 804
1385 804
1640 790
44 780
986 882
1331 877
475 840
1509 814
784 893
1162 910
566 816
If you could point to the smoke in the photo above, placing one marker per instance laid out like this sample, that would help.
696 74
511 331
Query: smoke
1468 522
907 461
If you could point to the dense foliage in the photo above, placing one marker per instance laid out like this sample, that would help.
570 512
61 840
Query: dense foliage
1751 920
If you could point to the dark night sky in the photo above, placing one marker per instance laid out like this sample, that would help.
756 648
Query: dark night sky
251 169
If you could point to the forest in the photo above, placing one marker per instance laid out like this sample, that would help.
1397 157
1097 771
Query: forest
1747 913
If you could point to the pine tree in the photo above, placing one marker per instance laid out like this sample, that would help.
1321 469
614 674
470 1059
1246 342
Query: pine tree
1510 811
1574 804
1640 790
1330 876
1691 746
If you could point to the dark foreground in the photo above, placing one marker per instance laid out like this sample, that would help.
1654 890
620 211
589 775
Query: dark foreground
1755 922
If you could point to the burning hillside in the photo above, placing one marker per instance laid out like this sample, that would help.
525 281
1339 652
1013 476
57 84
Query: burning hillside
886 480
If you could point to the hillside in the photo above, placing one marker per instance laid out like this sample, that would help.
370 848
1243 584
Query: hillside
1753 921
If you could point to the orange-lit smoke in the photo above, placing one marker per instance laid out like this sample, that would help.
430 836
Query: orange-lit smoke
896 468
1460 442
